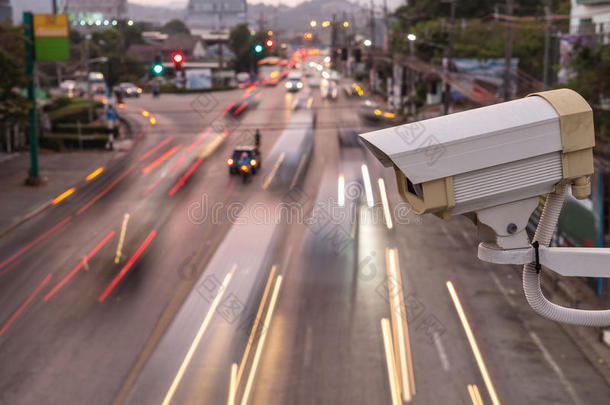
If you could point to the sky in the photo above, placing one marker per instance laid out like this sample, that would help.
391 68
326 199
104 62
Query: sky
181 3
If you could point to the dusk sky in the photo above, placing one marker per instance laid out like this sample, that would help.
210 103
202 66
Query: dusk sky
180 3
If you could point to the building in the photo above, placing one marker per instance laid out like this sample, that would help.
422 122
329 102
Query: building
94 11
216 14
591 17
6 11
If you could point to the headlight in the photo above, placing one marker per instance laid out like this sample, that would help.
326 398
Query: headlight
288 85
299 85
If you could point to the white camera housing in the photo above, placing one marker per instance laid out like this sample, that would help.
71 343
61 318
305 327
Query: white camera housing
504 155
493 155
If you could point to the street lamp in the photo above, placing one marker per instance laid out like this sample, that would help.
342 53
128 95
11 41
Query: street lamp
367 42
313 23
411 37
346 24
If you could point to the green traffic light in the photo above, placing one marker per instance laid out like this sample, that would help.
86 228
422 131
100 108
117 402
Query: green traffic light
158 69
258 48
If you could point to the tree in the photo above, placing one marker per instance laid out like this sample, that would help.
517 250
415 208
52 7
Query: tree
241 43
13 106
174 27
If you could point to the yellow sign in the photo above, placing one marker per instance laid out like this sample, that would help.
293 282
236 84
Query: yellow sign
50 26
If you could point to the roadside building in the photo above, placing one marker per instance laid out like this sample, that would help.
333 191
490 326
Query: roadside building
591 17
216 14
6 11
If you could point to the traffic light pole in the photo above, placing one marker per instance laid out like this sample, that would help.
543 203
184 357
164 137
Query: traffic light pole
30 56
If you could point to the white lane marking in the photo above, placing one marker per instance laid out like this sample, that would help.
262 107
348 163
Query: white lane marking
442 354
545 353
549 359
367 186
273 171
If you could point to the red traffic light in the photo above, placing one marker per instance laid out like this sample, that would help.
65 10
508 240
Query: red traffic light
308 35
178 57
269 43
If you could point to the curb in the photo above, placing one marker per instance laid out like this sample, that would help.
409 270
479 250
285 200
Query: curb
129 123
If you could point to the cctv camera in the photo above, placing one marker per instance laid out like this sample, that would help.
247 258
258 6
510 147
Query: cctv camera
493 164
493 155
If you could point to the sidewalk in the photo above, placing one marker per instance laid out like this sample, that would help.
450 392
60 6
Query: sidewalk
62 171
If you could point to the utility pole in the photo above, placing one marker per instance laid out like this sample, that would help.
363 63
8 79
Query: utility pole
447 90
508 51
334 41
54 6
547 48
87 72
30 68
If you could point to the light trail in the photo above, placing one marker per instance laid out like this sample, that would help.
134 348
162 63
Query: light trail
473 344
204 325
261 341
368 189
386 205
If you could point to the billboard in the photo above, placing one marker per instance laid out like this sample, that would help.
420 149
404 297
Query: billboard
198 79
51 37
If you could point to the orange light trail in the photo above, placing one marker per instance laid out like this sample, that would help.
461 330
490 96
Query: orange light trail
161 159
105 191
95 173
156 147
198 140
63 196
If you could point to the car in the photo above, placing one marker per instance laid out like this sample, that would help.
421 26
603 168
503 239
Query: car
67 87
245 161
314 82
371 111
294 81
130 90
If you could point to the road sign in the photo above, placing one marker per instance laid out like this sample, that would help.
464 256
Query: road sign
51 37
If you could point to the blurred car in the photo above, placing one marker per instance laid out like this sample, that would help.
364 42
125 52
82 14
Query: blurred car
371 111
348 138
98 83
250 99
130 90
67 87
328 88
353 90
294 81
314 82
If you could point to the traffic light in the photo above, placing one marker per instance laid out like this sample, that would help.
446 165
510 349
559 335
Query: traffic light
269 43
258 48
344 53
157 67
358 55
308 35
178 58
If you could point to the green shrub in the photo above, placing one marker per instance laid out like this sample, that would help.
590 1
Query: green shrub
85 129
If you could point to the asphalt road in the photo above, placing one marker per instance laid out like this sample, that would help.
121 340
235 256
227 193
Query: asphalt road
165 280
